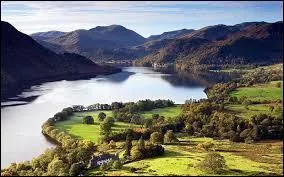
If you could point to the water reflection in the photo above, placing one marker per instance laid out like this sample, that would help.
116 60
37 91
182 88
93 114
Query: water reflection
115 78
197 79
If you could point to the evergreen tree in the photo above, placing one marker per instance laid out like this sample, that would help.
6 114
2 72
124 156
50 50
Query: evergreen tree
128 146
141 144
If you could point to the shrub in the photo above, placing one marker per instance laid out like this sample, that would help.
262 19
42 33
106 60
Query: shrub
246 133
136 153
88 120
206 146
155 138
104 167
189 129
249 140
155 116
112 144
117 164
213 163
170 137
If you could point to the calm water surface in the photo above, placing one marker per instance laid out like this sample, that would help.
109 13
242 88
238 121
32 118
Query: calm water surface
21 137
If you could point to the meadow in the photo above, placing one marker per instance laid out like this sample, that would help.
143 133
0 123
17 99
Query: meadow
260 92
75 127
257 92
181 159
167 112
241 111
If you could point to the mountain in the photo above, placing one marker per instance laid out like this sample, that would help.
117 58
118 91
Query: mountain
170 34
24 61
93 42
47 35
246 43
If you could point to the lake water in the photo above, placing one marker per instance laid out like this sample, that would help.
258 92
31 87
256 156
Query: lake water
22 116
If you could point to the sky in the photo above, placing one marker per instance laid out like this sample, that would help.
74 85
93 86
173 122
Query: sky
144 17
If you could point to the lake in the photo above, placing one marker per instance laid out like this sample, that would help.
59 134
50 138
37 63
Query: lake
22 115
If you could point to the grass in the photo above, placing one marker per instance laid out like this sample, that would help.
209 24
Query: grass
259 92
182 159
241 111
75 127
166 112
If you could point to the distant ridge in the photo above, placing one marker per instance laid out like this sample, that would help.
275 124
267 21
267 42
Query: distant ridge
116 42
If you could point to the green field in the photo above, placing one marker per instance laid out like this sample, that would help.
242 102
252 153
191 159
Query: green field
75 127
241 159
166 112
259 92
240 110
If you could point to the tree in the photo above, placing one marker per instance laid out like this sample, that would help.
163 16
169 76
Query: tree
148 123
128 146
213 163
109 120
105 129
76 169
141 144
156 138
56 167
136 119
278 84
136 153
88 120
101 116
246 133
170 137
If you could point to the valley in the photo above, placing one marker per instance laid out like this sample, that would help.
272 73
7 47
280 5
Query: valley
141 89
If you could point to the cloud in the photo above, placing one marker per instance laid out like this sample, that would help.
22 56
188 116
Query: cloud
145 17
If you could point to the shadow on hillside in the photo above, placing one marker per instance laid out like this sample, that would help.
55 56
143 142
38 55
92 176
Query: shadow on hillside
247 173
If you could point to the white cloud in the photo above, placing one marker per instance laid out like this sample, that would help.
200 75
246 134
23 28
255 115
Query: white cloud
148 17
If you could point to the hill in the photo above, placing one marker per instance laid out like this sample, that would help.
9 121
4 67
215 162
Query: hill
25 61
246 43
47 35
96 43
170 34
